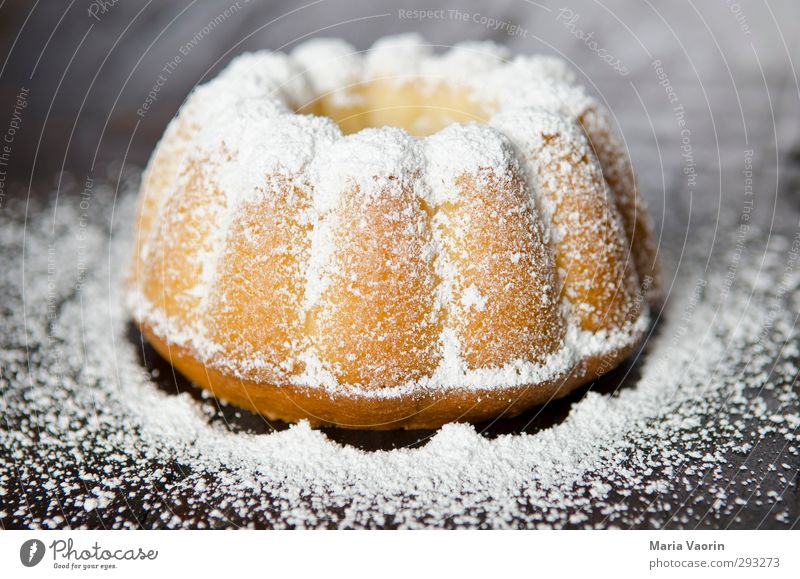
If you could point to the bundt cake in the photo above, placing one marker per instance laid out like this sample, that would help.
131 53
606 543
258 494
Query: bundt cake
392 239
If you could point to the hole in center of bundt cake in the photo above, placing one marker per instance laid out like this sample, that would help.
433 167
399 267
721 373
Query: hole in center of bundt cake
420 107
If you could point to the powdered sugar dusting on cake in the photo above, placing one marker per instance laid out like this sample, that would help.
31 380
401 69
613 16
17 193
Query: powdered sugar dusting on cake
590 243
332 67
263 78
376 161
472 298
258 73
460 149
269 144
372 162
397 57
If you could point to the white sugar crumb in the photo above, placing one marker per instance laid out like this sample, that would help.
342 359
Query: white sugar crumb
472 298
332 66
373 162
91 440
397 56
463 150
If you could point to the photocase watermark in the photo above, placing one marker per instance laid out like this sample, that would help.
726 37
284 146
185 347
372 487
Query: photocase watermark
183 50
152 96
569 18
494 24
785 287
187 47
31 552
679 112
100 8
10 134
736 9
743 231
66 555
83 225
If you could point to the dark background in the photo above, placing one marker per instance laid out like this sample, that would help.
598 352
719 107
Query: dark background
730 63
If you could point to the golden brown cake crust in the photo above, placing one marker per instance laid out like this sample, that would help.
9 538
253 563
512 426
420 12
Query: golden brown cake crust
417 411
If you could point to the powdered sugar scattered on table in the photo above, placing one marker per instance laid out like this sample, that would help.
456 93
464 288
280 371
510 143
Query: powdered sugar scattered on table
89 439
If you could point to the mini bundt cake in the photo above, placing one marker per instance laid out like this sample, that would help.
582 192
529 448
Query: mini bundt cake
392 239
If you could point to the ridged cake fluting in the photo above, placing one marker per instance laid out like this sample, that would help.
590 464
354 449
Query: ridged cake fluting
299 255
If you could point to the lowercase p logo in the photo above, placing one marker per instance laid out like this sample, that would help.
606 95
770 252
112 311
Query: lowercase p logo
31 552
